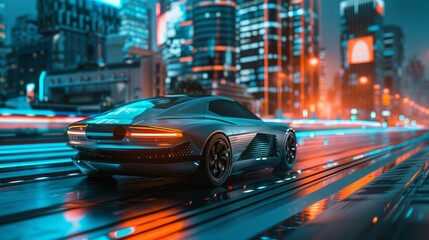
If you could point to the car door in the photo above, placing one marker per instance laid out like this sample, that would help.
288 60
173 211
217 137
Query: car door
252 140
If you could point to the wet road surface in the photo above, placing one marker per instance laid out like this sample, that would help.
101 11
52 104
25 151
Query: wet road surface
43 196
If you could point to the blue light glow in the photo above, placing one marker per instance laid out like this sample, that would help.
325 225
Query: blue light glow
124 232
42 86
114 3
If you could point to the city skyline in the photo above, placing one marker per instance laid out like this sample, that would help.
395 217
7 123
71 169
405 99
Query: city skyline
396 13
275 53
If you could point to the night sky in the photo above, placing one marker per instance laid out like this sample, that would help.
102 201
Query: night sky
412 16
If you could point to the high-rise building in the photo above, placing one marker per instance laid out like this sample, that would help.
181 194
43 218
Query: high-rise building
214 42
262 56
174 40
303 58
279 53
393 54
362 57
133 41
25 30
78 29
135 26
324 105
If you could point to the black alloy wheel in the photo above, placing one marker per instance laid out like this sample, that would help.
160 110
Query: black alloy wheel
218 158
288 155
215 167
291 150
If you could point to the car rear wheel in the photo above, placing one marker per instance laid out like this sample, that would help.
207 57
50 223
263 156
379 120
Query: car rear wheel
215 167
288 155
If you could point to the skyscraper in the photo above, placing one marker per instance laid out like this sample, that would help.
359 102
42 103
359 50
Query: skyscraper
362 56
279 53
135 24
262 56
303 57
174 39
393 54
214 41
197 40
78 29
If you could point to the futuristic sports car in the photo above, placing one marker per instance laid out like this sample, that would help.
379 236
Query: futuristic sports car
208 137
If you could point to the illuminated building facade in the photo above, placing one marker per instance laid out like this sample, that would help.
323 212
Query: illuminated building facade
78 29
324 105
393 54
262 56
174 39
135 24
278 55
303 58
362 57
214 41
393 57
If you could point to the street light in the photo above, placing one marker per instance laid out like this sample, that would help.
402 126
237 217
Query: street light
314 61
363 80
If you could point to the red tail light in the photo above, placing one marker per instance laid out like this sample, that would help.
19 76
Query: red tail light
153 132
76 130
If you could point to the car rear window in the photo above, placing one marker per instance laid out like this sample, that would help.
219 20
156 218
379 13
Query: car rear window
158 103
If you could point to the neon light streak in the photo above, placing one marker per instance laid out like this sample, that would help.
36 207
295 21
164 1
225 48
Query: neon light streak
42 86
154 134
74 133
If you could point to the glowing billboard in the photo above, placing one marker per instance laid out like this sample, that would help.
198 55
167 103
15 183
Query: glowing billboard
360 50
161 29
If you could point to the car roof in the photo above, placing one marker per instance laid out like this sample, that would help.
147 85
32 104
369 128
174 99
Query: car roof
188 104
194 96
185 98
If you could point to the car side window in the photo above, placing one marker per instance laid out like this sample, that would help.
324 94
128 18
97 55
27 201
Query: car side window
227 108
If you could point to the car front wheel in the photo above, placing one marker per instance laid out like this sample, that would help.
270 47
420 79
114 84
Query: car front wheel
288 155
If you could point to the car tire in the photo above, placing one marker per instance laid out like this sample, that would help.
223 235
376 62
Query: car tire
216 163
288 153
